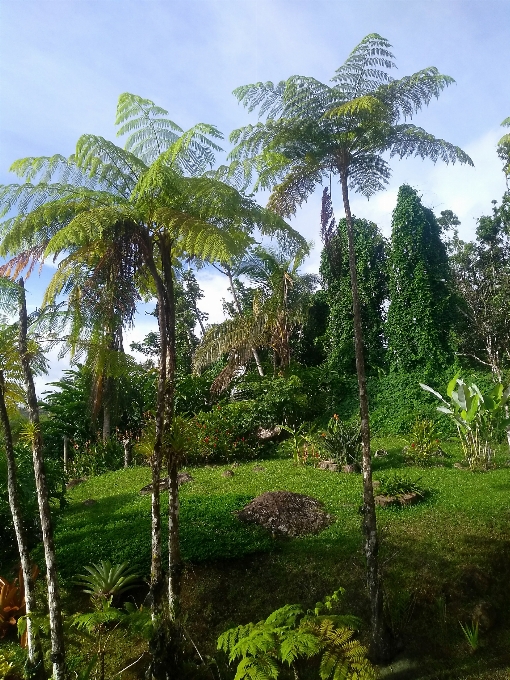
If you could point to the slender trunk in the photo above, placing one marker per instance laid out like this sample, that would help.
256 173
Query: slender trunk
379 642
175 566
66 453
126 443
239 311
107 408
56 623
35 655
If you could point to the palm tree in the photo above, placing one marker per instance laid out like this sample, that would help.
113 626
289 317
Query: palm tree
313 130
11 395
280 303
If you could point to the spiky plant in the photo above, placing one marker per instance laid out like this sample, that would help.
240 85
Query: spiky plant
105 581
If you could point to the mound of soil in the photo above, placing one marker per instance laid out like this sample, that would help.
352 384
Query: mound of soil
286 514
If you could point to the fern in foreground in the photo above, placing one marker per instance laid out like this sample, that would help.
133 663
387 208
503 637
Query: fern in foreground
291 637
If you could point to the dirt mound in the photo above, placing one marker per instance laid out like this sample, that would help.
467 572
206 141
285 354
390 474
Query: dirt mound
286 514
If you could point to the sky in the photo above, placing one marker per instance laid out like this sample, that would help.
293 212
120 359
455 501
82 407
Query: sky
64 63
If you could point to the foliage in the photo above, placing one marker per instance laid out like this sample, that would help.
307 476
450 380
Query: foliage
421 314
482 276
473 414
6 666
423 443
471 635
12 602
105 581
372 289
289 636
224 434
342 441
504 149
400 484
303 443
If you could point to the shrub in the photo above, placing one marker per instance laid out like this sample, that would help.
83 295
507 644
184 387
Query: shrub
342 441
226 433
423 444
399 485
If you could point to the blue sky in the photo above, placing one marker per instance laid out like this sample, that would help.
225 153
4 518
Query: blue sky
63 64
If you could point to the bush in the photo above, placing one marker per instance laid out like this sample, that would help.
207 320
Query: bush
226 433
423 445
399 485
342 441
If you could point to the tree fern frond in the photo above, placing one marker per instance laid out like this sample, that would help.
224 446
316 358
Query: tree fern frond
295 189
266 95
44 168
407 96
193 152
362 71
149 134
111 166
298 643
260 668
409 140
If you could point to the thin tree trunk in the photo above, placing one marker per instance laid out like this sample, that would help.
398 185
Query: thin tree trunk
380 648
35 655
239 311
54 605
66 453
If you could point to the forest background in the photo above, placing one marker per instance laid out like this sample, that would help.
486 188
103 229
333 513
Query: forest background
63 65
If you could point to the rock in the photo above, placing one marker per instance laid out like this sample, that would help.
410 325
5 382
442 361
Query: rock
376 483
227 473
74 482
89 502
286 514
259 468
385 501
235 465
182 478
380 453
349 469
409 498
459 466
484 616
264 434
328 465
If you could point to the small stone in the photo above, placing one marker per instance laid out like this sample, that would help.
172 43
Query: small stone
376 483
74 482
89 502
259 468
184 477
409 498
385 501
227 473
380 453
235 465
349 469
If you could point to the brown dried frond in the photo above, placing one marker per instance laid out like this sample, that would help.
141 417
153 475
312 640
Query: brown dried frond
17 264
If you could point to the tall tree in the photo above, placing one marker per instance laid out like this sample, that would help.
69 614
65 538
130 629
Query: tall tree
139 210
313 130
421 312
11 395
373 292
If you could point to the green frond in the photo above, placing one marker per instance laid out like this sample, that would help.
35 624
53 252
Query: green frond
298 643
112 167
364 109
266 95
409 140
149 134
407 96
232 335
362 71
44 168
259 641
286 616
228 640
260 668
193 152
297 186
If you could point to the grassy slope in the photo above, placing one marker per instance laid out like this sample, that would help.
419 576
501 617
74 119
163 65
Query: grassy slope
440 558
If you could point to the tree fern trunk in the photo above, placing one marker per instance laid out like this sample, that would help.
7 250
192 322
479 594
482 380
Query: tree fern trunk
56 623
380 638
35 656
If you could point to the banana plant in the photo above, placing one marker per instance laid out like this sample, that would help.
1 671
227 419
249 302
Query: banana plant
475 415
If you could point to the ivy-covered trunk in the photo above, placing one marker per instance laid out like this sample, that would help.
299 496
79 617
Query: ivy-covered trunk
54 604
380 643
35 666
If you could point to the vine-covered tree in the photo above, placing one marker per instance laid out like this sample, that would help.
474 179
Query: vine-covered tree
421 315
313 130
372 289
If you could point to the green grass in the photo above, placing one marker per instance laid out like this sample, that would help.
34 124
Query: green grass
439 558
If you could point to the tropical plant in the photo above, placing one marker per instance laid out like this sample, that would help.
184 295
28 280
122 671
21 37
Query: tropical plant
471 634
504 149
280 304
313 130
342 441
122 218
303 443
397 485
423 443
290 636
473 414
421 312
105 581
